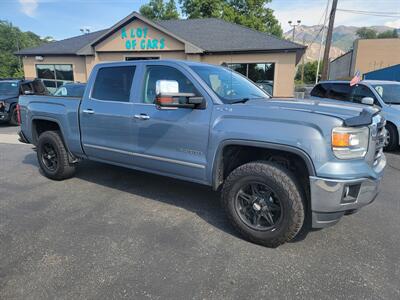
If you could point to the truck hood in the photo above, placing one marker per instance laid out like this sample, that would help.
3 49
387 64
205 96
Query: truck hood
339 110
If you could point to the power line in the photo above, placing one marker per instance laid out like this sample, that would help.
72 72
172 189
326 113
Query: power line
370 13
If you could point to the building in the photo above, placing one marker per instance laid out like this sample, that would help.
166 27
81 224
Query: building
259 56
390 73
367 55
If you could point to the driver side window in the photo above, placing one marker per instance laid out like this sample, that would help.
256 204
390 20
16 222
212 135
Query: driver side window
360 92
155 73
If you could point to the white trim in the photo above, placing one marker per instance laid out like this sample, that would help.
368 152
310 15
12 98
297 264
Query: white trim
179 162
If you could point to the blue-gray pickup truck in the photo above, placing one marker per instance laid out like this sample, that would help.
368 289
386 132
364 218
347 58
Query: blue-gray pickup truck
276 162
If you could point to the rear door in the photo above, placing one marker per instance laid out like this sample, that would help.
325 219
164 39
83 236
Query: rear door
106 115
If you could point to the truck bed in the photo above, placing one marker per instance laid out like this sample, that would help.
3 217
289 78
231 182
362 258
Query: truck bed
62 110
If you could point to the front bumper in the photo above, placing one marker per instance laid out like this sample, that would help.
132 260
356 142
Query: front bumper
332 198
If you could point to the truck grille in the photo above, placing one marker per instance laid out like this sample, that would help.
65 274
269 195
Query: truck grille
380 137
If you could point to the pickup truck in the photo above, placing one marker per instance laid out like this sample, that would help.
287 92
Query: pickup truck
277 162
10 90
383 94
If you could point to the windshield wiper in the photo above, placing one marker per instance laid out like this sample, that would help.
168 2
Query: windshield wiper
243 100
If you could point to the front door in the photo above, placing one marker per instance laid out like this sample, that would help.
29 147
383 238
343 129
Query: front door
172 141
106 116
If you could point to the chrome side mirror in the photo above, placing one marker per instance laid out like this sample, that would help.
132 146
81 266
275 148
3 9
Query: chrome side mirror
367 101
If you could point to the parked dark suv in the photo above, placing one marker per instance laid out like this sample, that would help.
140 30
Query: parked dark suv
10 90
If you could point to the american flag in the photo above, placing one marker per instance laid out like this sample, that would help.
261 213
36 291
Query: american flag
356 79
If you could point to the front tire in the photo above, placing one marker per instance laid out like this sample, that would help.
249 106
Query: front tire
264 203
53 156
392 138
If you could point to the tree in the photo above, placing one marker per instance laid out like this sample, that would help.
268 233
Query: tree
366 33
388 34
158 10
13 39
250 13
310 69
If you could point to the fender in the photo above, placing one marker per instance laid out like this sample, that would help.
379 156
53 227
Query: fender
266 145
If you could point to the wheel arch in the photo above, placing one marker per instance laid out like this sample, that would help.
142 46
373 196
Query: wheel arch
218 175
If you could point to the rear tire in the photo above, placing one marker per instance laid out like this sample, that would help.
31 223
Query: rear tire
393 138
14 116
276 187
53 156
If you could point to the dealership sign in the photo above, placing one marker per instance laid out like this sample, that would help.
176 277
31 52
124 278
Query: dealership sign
137 38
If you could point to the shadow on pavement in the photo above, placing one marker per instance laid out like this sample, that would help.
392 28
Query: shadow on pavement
196 198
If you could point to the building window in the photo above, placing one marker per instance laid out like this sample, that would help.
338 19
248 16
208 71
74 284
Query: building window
260 73
54 76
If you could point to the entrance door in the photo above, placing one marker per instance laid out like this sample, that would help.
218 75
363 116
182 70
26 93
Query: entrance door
172 141
106 116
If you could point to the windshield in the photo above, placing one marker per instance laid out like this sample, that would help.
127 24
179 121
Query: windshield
8 88
230 86
390 93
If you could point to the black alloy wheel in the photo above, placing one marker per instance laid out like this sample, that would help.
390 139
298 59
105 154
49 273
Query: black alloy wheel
258 206
49 157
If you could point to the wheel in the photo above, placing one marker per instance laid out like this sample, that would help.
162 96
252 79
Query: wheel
264 203
53 156
14 116
392 138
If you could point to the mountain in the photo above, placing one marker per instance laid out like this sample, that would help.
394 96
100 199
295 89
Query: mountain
342 38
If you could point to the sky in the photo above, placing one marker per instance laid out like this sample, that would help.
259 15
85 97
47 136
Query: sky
64 18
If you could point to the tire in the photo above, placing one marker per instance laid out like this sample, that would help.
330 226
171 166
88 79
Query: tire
393 138
14 116
60 168
283 187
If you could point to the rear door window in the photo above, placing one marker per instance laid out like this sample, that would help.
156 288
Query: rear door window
320 90
340 91
113 83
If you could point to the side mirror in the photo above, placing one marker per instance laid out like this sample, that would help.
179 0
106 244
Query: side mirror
168 96
28 93
367 101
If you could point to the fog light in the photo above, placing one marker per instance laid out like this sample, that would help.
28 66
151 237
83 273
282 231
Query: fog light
350 193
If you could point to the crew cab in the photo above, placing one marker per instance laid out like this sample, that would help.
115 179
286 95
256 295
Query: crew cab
276 162
383 94
10 90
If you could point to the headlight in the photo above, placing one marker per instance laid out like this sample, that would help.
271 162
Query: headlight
350 143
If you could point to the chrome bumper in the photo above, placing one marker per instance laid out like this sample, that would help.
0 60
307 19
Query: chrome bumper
331 198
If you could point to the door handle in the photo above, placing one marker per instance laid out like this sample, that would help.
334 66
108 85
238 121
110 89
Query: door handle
88 111
142 117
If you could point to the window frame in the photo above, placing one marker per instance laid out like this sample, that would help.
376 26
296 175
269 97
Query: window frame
376 101
229 64
131 91
55 80
145 70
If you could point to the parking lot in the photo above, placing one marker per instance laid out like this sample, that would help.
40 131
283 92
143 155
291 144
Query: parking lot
111 233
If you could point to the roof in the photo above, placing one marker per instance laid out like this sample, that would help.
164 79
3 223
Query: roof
69 46
216 35
203 35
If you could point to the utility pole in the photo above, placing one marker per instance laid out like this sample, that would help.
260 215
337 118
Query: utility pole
302 61
328 41
294 28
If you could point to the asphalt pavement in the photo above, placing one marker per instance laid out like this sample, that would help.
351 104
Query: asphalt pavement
113 233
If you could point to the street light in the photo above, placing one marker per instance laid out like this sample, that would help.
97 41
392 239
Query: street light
294 27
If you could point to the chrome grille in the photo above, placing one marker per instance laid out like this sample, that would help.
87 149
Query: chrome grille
378 126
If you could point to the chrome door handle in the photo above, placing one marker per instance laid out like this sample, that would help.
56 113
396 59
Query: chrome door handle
88 111
141 117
